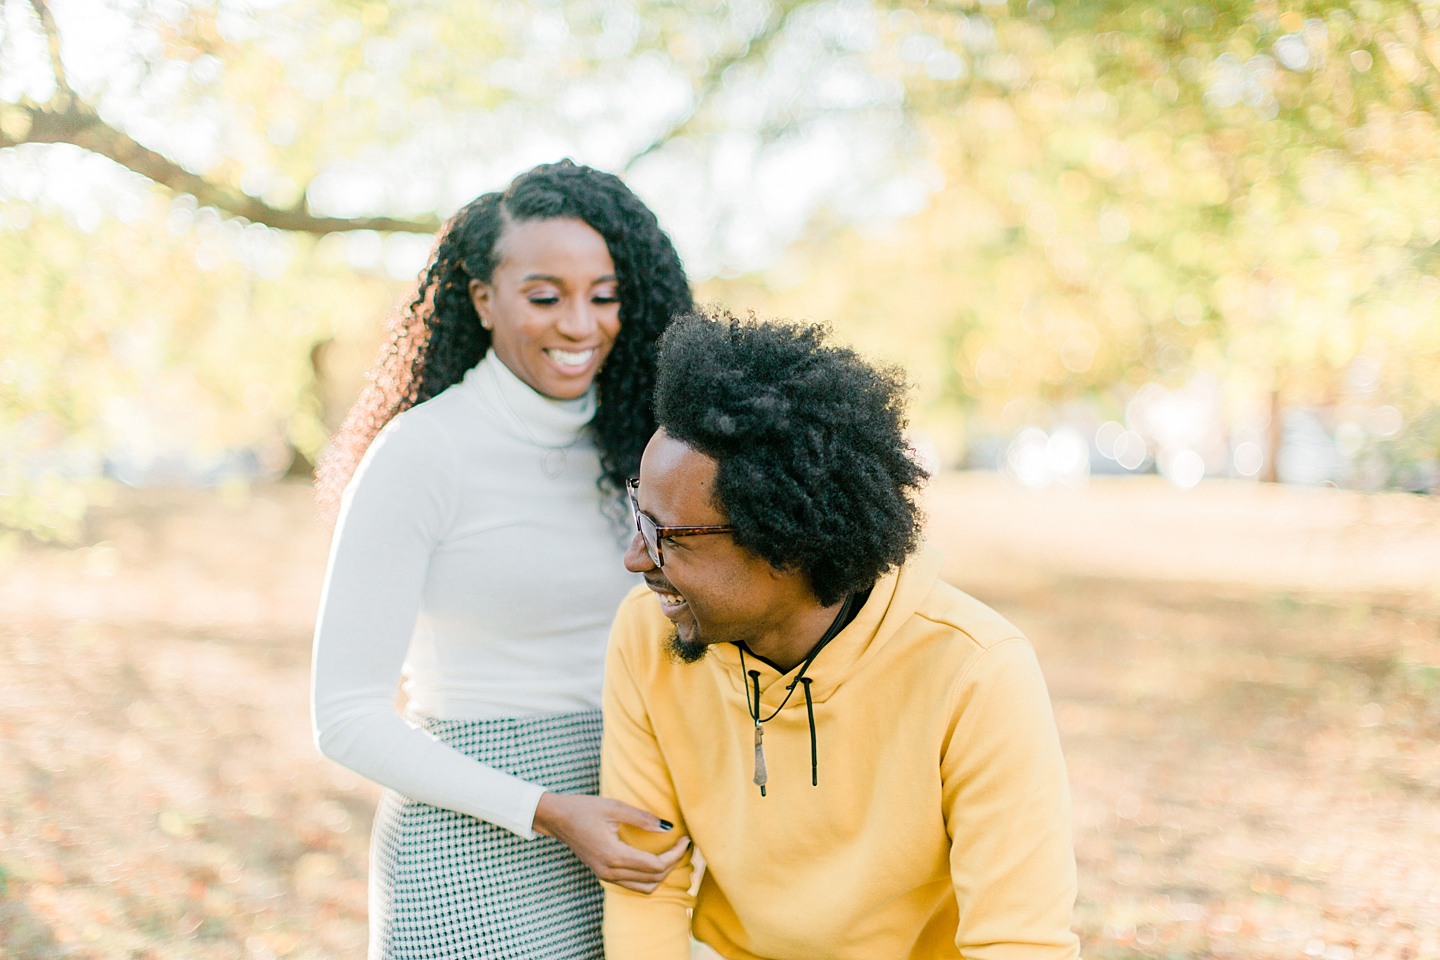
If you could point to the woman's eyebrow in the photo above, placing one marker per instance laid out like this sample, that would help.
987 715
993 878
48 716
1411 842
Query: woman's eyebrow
559 281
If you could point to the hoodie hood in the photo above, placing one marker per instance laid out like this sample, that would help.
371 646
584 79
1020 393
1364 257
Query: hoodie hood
894 598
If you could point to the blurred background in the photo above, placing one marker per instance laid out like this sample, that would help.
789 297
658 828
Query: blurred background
1164 276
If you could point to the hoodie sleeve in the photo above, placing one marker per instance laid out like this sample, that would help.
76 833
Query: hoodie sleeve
640 926
1007 810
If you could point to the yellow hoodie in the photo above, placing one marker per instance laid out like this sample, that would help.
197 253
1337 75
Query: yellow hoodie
941 823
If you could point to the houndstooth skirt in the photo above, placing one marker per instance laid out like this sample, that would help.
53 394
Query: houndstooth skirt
445 885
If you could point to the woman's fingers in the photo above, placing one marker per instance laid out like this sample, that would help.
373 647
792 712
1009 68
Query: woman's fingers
622 856
631 864
660 864
671 857
588 825
628 877
635 817
632 876
636 886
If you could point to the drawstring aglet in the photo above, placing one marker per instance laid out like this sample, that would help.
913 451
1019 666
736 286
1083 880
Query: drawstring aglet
761 774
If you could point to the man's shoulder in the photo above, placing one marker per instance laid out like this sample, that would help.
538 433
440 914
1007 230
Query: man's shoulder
968 645
948 608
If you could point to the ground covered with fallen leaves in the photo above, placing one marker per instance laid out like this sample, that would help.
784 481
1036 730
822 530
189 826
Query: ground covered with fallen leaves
1246 679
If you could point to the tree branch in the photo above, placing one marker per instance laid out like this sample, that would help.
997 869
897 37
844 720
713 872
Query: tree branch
77 124
708 83
52 38
67 119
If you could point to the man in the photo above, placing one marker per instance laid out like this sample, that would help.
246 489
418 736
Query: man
864 756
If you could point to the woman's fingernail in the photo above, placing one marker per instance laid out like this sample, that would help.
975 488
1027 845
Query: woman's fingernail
666 825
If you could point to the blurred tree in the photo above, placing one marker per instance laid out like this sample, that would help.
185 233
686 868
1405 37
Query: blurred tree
1031 205
305 151
1137 192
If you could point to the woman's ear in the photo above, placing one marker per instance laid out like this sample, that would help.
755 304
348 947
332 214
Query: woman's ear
482 296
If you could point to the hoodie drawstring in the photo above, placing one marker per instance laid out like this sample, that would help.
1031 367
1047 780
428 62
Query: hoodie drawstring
814 755
761 771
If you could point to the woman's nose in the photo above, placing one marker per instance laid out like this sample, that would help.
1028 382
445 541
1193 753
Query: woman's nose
580 321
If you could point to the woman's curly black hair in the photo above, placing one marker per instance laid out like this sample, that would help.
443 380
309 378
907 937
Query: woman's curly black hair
436 337
814 471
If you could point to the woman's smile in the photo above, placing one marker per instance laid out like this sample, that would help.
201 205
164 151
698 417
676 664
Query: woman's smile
572 362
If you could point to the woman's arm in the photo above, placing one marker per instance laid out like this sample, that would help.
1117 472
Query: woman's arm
395 510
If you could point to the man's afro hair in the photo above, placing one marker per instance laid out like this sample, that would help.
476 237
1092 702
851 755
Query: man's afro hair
814 470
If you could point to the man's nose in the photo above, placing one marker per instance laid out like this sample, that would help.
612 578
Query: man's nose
637 558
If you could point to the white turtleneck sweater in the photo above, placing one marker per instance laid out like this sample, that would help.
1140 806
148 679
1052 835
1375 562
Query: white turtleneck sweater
472 558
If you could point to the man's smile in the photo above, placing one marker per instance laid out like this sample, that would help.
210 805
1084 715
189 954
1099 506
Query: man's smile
671 602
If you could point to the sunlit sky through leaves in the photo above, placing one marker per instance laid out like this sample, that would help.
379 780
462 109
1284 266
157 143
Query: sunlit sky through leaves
1197 238
811 126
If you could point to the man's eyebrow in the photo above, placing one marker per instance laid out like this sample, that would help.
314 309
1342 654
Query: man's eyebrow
656 520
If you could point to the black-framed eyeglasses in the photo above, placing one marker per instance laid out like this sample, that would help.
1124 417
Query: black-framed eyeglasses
652 533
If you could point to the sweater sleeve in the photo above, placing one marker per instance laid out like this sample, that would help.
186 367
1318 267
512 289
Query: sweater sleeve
393 513
639 926
1007 810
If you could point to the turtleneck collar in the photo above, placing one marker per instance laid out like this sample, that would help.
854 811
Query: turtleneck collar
524 412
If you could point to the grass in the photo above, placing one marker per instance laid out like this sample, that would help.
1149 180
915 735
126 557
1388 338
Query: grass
1251 720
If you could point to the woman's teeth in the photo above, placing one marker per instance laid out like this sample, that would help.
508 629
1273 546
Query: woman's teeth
570 358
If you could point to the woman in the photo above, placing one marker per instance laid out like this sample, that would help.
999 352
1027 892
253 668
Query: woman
478 553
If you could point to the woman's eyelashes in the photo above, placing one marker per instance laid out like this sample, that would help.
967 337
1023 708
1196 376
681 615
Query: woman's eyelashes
550 299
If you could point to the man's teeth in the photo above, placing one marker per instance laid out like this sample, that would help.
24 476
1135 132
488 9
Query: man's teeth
673 599
568 358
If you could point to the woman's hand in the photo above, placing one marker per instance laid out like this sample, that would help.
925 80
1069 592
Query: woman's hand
590 826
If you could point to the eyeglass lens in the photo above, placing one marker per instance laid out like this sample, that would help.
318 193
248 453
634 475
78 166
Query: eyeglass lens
646 526
652 542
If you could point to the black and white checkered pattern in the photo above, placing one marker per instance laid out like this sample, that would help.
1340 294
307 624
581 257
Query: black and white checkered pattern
445 885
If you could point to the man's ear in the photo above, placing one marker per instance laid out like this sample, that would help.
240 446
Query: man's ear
788 573
795 580
482 296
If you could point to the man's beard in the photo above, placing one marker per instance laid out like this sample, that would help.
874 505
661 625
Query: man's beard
685 651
